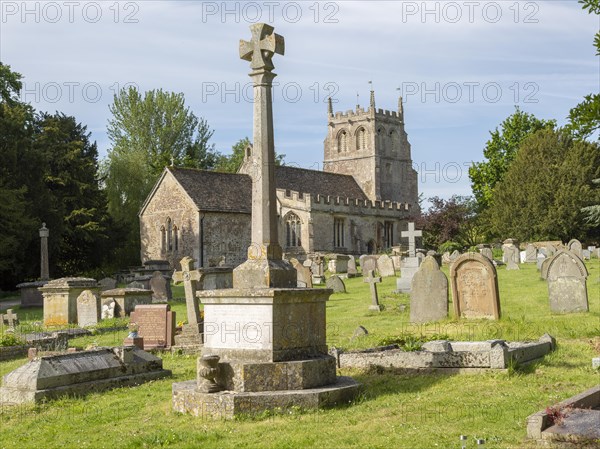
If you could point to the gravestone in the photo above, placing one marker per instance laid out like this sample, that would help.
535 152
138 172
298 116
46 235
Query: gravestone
455 255
367 263
474 287
303 274
317 269
60 299
136 284
108 310
567 289
446 258
88 309
540 261
156 325
586 254
352 271
107 284
385 265
10 319
575 247
126 299
161 287
435 255
411 235
338 263
544 268
191 337
512 257
360 331
530 254
410 265
550 250
486 251
373 281
429 293
522 256
336 284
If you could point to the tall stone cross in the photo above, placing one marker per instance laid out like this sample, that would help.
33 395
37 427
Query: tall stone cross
10 319
190 278
411 234
264 267
44 270
372 280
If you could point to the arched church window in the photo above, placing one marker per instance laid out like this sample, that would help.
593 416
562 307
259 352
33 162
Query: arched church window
163 239
176 238
169 235
292 230
394 141
361 139
342 142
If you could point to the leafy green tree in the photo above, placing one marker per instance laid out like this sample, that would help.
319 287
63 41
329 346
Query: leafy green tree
500 151
149 133
232 163
545 189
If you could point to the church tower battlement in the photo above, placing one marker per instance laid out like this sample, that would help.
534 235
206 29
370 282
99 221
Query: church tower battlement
372 146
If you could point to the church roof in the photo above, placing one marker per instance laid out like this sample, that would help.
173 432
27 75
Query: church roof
232 192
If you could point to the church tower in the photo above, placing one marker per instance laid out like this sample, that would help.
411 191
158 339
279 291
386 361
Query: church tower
372 146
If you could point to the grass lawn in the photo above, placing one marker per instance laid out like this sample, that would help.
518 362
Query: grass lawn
395 410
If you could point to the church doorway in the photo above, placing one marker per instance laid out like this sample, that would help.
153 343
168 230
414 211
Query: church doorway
371 247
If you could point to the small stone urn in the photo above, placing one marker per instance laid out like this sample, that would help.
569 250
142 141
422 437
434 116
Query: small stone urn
208 371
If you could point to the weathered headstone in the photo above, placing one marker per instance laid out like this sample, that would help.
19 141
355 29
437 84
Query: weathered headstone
373 281
385 265
575 247
435 255
511 246
108 310
156 325
567 289
530 254
550 250
317 269
544 268
160 287
360 331
136 284
586 254
10 319
88 309
429 293
410 265
455 255
474 287
126 299
367 262
446 258
486 251
540 260
338 263
512 257
411 235
107 284
336 284
352 271
60 299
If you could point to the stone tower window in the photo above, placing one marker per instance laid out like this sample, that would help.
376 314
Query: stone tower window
394 142
361 139
338 232
292 230
175 238
342 142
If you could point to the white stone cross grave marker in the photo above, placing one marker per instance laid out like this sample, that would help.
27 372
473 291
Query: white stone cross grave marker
411 234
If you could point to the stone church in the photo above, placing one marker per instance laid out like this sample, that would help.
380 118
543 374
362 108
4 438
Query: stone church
358 204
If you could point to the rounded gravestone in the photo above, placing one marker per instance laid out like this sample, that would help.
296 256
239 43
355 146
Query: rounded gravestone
567 289
429 293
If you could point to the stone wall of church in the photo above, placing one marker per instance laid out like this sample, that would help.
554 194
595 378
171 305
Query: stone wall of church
226 235
169 225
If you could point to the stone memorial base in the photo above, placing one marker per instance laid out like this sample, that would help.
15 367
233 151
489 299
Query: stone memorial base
60 299
228 404
30 295
190 341
138 342
216 278
410 265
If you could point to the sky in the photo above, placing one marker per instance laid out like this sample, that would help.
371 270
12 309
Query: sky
461 67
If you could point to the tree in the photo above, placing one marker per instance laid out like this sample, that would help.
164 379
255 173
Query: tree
500 151
584 119
233 162
148 134
454 219
545 188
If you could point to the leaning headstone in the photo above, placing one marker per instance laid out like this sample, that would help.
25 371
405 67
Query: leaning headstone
367 263
336 284
567 289
88 309
161 287
352 271
156 325
429 293
385 266
373 281
474 287
530 254
360 331
107 284
575 247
